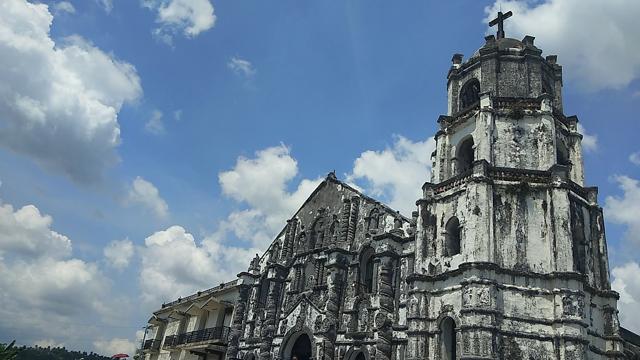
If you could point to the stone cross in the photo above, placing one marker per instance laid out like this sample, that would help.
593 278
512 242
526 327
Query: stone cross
500 21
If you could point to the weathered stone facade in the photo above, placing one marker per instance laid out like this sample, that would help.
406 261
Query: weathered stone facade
505 257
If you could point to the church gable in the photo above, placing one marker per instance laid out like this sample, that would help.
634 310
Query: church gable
335 214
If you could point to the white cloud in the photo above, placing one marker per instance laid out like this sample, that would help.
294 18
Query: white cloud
241 67
59 102
155 125
396 173
64 6
27 233
115 346
627 283
45 282
269 201
595 40
118 253
143 192
635 158
624 209
189 17
107 5
589 141
174 265
177 115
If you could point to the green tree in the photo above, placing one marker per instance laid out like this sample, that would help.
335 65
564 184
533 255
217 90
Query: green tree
8 352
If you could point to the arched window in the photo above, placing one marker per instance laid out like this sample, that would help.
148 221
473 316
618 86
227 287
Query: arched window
562 153
452 237
301 349
465 155
374 219
470 93
448 339
367 269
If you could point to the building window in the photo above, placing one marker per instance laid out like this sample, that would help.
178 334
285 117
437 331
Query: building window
470 93
465 155
452 237
562 153
367 269
448 338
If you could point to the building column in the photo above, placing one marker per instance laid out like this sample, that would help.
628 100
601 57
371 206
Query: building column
238 321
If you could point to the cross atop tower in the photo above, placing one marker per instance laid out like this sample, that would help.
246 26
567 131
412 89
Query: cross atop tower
500 21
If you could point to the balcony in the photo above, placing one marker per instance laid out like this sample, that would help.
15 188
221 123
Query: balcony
214 335
151 345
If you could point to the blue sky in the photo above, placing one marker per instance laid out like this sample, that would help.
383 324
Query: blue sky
198 126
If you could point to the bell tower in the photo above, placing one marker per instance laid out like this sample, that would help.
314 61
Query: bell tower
510 251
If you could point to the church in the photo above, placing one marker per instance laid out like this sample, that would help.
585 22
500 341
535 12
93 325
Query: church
505 256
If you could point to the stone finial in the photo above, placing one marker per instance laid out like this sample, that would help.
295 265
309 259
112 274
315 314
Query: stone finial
332 175
456 60
490 39
552 59
255 263
528 40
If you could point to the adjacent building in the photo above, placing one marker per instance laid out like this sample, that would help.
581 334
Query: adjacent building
194 327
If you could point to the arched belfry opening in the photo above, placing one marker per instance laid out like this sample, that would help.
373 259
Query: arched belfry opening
465 155
452 237
367 269
469 94
448 339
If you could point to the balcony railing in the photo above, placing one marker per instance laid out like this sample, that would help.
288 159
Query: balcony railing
152 345
218 334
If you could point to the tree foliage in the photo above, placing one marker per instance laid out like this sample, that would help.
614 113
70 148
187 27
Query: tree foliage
8 352
11 352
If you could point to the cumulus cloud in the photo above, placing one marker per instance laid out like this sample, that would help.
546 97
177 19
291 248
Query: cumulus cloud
241 67
174 265
144 193
59 102
397 173
589 141
624 209
27 233
155 125
627 283
269 202
189 17
64 6
635 158
118 253
43 280
595 40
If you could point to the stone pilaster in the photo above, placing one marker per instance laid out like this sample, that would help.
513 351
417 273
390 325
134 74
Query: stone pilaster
268 330
383 319
238 321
